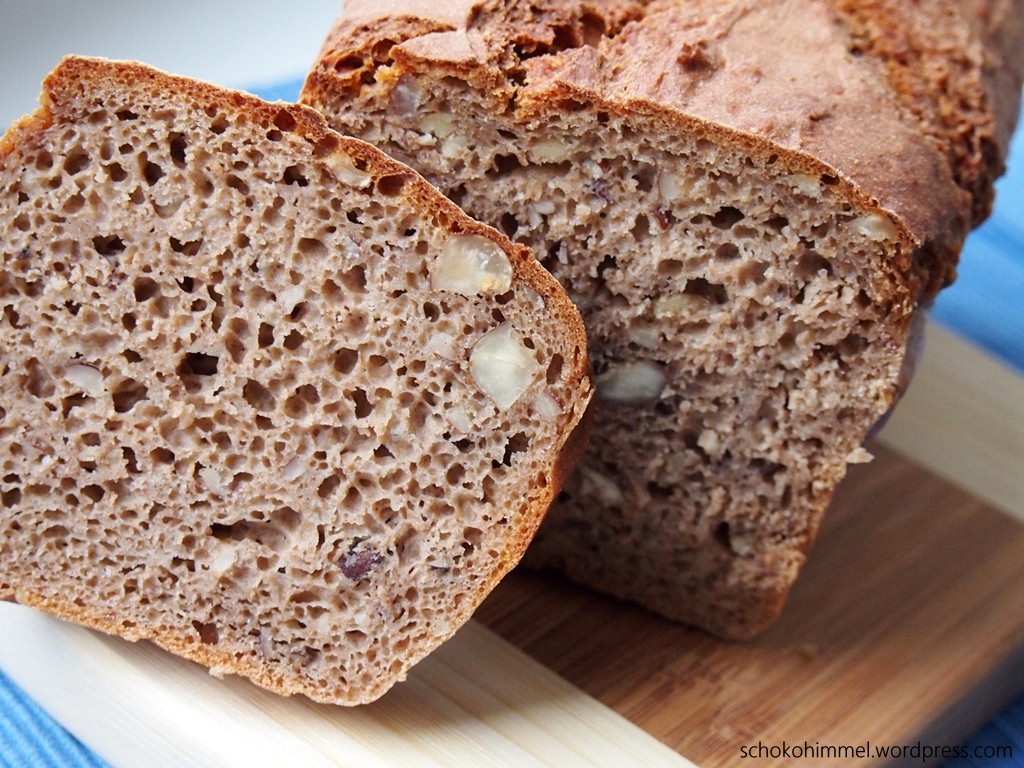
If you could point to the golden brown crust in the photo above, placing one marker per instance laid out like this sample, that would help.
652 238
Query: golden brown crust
943 62
707 66
69 96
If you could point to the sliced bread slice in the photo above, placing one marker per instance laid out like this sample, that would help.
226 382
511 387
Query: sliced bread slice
266 397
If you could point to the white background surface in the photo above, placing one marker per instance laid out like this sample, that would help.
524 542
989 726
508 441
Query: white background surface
237 43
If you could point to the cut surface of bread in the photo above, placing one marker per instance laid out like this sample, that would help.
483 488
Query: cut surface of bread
266 397
749 201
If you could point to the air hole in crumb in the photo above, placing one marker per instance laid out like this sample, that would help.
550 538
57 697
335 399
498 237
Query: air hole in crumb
328 486
234 182
294 174
518 443
345 360
659 491
285 120
330 290
554 371
504 164
348 64
293 341
727 217
235 348
187 248
162 456
68 404
713 292
670 267
208 634
265 337
753 272
645 177
723 535
391 185
258 396
126 115
299 402
310 246
363 406
145 288
455 474
76 162
809 264
93 492
286 518
177 144
152 172
852 345
126 393
509 224
727 252
354 279
194 366
108 245
130 461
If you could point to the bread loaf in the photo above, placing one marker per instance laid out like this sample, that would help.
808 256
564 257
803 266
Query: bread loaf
752 202
266 397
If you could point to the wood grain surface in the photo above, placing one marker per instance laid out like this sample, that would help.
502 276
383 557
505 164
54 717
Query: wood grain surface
906 625
963 419
477 701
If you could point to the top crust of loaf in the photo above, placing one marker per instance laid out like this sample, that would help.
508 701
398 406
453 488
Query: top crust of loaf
892 138
73 92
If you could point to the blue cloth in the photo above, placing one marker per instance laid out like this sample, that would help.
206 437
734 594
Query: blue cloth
287 90
29 738
985 305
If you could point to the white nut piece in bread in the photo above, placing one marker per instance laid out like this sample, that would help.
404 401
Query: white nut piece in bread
226 420
502 366
471 265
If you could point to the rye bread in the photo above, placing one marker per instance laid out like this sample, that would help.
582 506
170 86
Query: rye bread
266 397
752 203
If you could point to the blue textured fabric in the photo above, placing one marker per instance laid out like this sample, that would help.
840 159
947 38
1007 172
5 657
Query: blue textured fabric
29 738
1005 731
284 91
985 305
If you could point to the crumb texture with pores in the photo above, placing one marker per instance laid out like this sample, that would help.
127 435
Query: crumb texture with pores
245 412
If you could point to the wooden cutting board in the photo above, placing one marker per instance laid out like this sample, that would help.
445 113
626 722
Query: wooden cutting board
906 627
907 624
